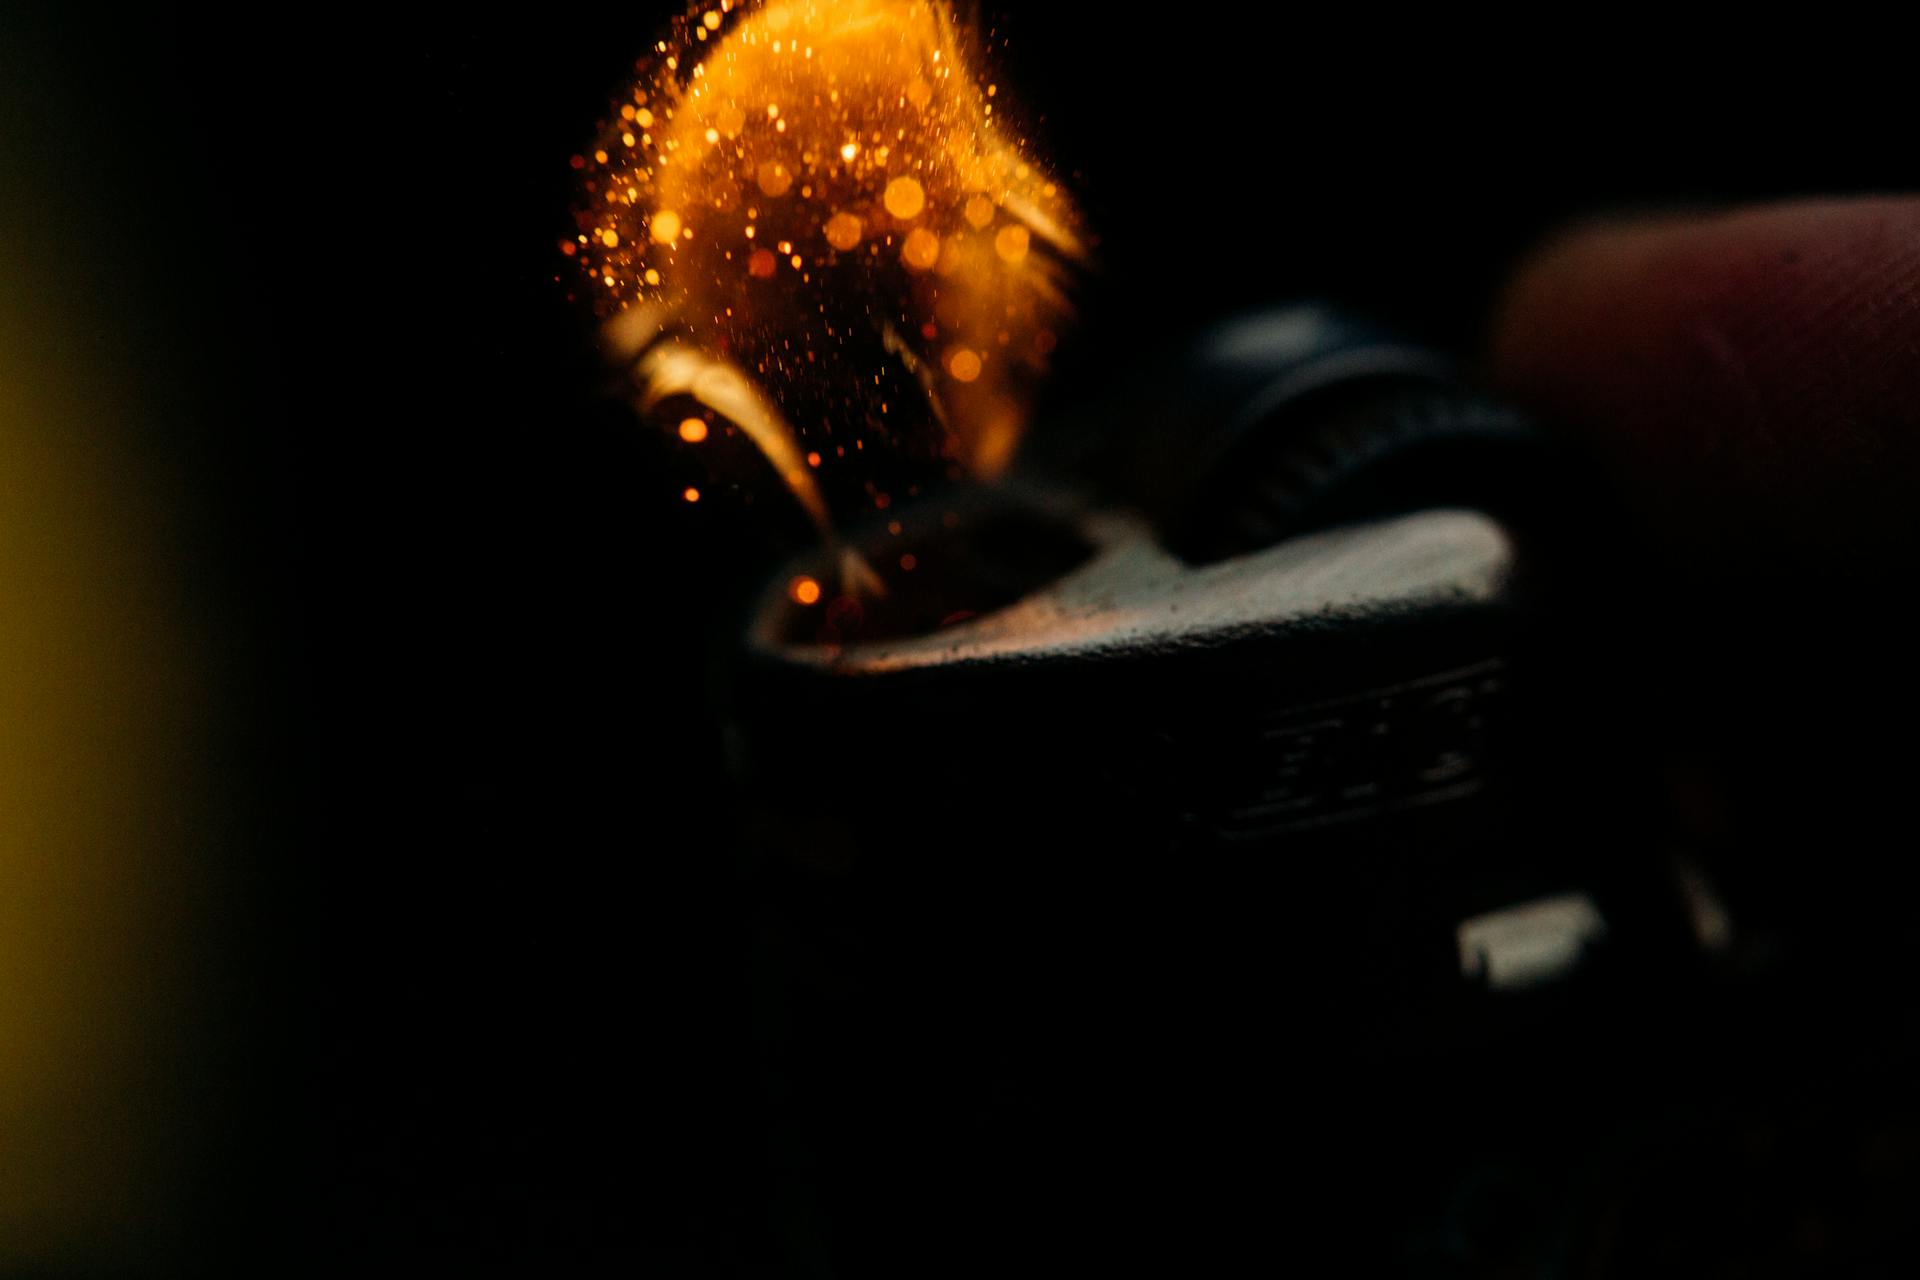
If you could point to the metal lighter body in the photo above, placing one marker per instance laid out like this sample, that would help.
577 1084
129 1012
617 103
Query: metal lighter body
1166 907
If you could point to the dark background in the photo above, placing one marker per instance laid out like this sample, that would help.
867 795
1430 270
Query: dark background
470 983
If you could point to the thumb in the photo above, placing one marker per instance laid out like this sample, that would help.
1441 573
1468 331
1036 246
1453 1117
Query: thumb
1752 377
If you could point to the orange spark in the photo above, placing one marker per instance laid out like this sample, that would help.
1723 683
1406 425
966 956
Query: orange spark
914 235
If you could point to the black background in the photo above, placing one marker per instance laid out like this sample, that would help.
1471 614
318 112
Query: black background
483 980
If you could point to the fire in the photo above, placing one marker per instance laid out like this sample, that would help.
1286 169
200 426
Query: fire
809 227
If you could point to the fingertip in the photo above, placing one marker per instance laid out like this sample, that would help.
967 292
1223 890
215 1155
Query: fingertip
1747 374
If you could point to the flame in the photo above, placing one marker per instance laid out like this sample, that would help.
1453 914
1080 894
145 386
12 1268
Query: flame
809 227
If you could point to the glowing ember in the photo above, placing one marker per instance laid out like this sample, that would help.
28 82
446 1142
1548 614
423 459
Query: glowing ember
896 337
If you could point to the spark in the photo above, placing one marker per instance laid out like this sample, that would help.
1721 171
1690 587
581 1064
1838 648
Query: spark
915 235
